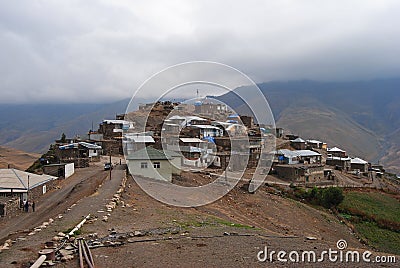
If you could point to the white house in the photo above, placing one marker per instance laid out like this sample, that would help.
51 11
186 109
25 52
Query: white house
152 163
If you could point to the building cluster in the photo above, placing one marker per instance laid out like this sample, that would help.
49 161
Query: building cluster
312 161
195 140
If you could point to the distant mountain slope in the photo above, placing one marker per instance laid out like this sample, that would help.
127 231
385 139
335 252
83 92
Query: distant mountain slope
16 159
33 128
362 117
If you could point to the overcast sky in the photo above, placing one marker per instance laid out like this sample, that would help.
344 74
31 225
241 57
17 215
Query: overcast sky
98 50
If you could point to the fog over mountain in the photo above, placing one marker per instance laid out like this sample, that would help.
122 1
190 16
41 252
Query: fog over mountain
362 117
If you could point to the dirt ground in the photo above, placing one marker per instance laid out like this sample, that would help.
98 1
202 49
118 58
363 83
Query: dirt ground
142 232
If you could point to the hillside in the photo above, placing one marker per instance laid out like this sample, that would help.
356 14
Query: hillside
16 159
362 117
32 128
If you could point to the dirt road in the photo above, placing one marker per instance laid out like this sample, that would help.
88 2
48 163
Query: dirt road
85 192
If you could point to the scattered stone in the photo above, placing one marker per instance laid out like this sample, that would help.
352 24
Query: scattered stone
65 252
96 243
311 238
49 263
61 234
31 233
67 258
138 233
56 238
175 231
226 233
94 235
105 218
108 243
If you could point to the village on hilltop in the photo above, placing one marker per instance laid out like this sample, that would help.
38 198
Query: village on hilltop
177 139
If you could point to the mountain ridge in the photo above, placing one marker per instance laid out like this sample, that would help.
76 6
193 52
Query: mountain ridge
362 117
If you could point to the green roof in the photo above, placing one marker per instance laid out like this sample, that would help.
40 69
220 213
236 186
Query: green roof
149 153
172 153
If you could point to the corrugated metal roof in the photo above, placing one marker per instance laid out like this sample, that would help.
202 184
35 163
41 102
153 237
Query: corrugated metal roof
314 141
336 149
142 139
300 153
116 122
18 180
149 153
206 127
194 140
90 145
298 140
358 161
339 158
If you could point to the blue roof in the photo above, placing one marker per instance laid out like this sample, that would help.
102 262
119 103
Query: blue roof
209 139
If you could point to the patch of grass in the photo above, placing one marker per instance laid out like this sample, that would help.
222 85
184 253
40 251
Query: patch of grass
212 222
77 232
232 224
376 218
378 207
380 238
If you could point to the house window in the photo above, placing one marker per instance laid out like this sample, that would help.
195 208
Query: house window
157 164
143 165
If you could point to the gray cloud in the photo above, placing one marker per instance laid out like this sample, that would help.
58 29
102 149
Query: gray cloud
81 51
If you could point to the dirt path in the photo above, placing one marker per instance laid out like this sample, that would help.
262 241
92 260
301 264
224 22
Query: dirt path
87 192
81 184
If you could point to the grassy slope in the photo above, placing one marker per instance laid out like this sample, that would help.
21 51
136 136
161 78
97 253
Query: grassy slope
376 217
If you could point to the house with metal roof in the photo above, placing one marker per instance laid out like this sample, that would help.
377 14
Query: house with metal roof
342 163
14 181
316 144
135 141
359 164
155 164
285 156
336 152
79 153
298 144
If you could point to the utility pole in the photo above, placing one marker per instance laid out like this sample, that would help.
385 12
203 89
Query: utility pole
110 164
27 191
